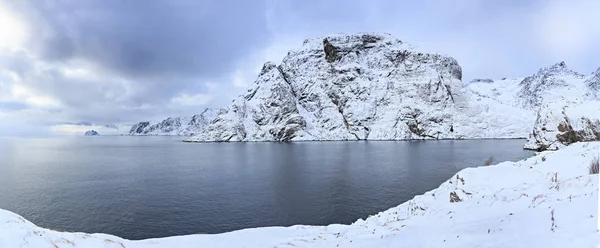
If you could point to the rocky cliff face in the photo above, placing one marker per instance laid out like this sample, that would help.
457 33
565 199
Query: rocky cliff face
176 125
360 87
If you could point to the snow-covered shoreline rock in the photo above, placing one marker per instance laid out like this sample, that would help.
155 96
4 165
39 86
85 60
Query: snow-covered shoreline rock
548 200
183 126
362 87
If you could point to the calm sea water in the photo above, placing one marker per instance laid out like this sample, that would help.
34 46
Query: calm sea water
148 187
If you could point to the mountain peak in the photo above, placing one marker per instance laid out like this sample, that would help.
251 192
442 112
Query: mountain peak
557 69
344 43
269 65
561 64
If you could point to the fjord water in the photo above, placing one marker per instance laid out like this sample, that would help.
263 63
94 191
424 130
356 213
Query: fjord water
148 187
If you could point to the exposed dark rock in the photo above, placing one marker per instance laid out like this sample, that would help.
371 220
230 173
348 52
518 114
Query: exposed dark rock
454 197
330 51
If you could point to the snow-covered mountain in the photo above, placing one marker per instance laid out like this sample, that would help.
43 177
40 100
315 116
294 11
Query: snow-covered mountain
564 103
363 87
376 87
184 126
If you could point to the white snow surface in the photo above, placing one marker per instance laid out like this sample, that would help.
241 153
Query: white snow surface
367 87
548 200
184 126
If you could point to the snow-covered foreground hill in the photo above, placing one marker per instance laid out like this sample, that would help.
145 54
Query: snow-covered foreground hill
548 200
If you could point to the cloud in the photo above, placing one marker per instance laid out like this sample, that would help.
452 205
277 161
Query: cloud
14 106
13 32
147 38
192 100
118 61
569 30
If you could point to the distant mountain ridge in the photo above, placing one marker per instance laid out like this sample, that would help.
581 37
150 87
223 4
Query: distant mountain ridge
183 126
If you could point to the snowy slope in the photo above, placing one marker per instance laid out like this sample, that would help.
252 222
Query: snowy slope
487 117
503 91
360 87
548 200
176 125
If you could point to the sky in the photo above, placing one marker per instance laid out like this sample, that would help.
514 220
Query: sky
71 66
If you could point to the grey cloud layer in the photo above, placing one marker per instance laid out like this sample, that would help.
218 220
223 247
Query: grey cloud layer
142 54
148 38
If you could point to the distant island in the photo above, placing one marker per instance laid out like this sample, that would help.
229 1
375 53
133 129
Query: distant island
91 133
